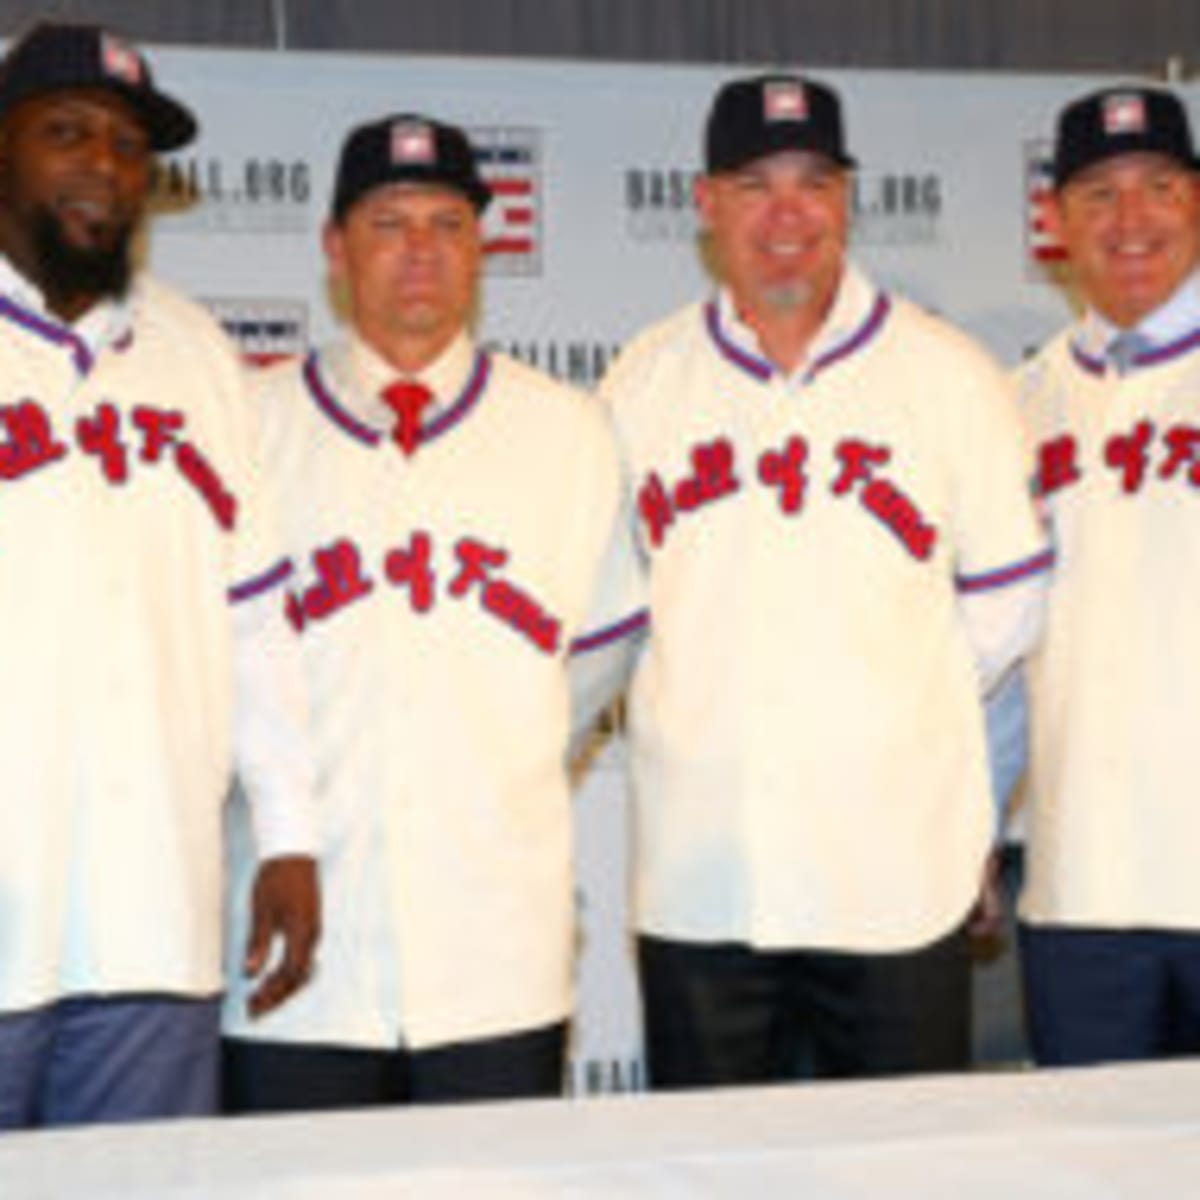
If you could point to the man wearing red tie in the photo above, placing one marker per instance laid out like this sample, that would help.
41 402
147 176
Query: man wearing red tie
447 510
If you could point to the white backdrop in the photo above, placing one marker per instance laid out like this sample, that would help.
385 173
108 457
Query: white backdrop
596 164
592 237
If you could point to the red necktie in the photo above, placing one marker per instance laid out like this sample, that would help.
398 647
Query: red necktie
407 399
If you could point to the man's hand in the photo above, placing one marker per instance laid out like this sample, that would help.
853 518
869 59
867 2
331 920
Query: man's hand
986 918
286 904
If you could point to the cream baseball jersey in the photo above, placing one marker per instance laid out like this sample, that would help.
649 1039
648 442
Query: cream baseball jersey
808 745
132 530
438 596
1114 690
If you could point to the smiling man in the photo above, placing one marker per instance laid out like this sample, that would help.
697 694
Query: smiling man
832 501
448 510
141 647
1111 939
68 221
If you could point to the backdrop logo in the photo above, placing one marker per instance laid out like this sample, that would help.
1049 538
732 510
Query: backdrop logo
1042 247
896 208
889 209
579 362
199 194
510 161
264 330
658 204
605 1076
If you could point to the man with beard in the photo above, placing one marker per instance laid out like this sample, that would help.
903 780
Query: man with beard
140 636
832 499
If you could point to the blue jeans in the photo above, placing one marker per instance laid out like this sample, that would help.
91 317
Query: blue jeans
90 1059
1110 995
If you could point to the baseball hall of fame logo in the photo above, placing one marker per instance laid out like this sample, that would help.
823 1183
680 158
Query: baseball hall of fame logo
1044 253
265 330
510 161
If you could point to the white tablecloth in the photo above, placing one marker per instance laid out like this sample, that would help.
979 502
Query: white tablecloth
1106 1132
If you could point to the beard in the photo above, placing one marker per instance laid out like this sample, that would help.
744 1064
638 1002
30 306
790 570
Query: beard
101 271
788 297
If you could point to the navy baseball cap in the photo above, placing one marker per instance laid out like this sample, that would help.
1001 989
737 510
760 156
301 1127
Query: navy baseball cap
1121 120
765 114
406 148
55 57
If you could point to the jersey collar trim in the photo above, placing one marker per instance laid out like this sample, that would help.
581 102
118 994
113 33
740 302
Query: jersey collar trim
757 367
443 422
1175 349
1172 330
49 331
107 324
1086 362
760 369
1095 365
327 401
858 339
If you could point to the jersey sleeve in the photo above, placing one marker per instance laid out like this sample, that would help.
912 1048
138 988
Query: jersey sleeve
604 654
259 562
605 646
272 745
998 538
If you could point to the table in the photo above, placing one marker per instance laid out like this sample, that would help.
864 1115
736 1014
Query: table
1130 1131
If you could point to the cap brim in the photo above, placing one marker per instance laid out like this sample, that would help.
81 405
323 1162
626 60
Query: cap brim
780 138
734 162
1074 169
168 123
477 194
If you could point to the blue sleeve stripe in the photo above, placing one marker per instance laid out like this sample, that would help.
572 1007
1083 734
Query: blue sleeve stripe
610 633
1006 575
259 584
